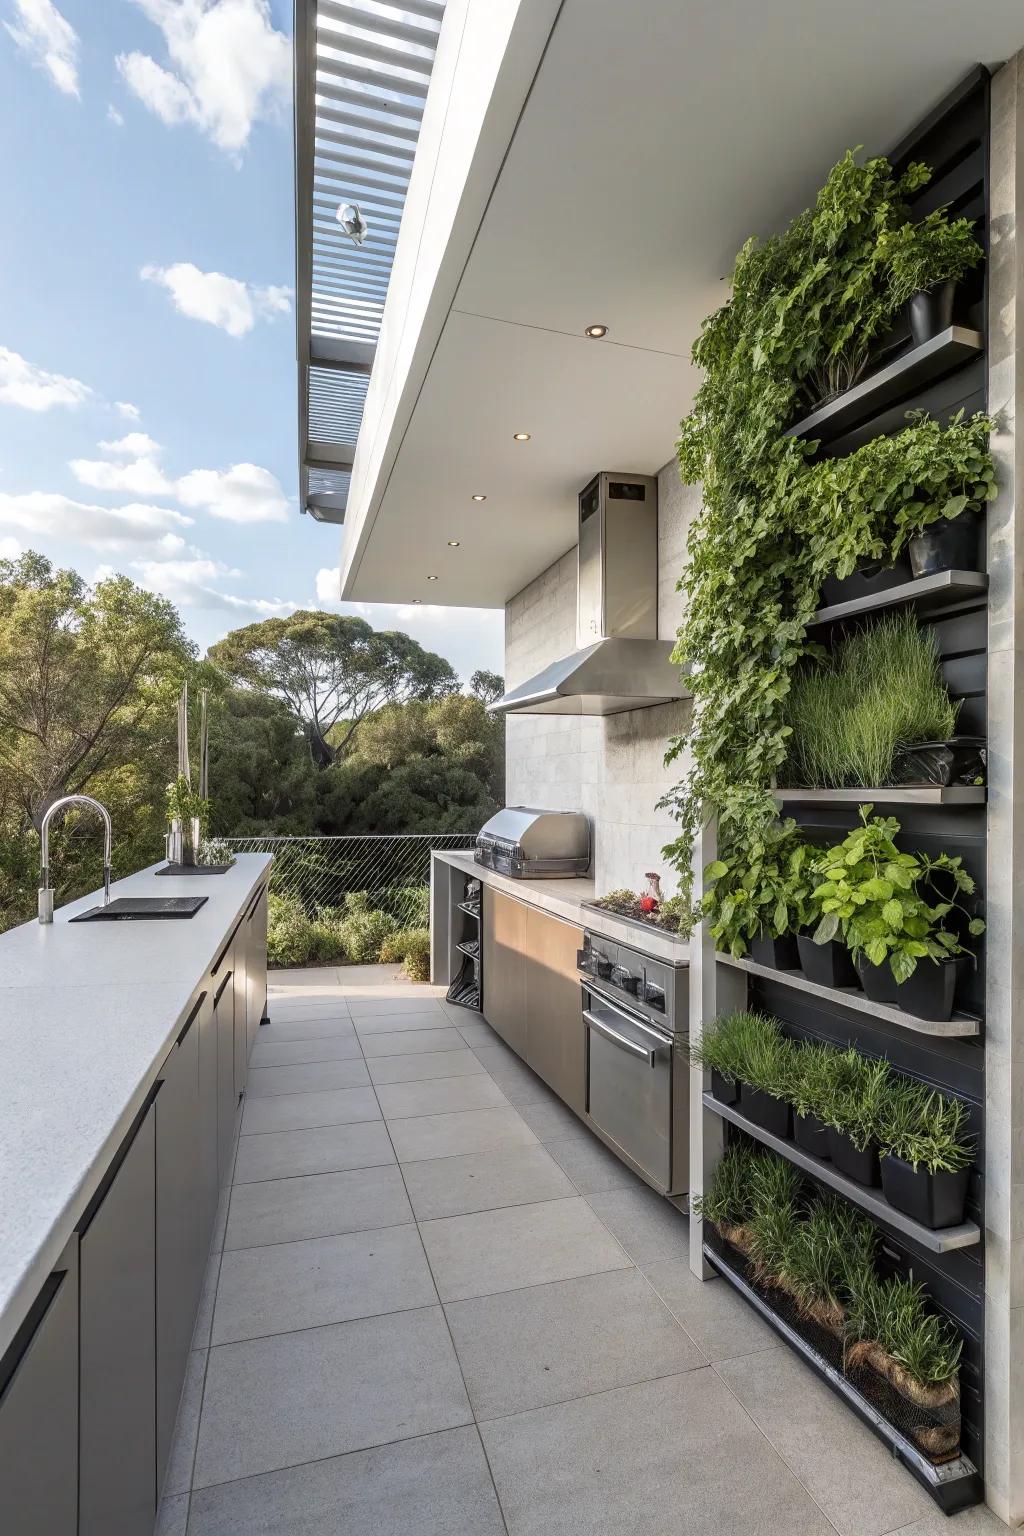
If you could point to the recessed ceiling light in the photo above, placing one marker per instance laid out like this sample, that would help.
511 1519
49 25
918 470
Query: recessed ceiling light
431 578
453 543
417 599
596 331
521 437
478 496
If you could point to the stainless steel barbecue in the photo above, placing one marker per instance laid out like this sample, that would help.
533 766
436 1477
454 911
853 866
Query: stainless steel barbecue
528 844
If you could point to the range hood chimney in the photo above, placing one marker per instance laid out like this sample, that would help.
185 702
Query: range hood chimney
620 664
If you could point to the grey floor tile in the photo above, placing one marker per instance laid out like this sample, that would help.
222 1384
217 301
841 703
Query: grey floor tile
439 1096
320 1280
482 1181
478 1034
647 1226
322 1205
676 1457
207 1296
325 1149
302 1111
375 1007
498 1055
172 1516
178 1477
550 1120
547 1343
298 1397
317 1028
590 1165
721 1325
424 1065
409 1042
520 1085
288 1053
310 1077
313 980
835 1456
437 1485
470 1130
395 1023
307 1008
220 1220
969 1522
518 1245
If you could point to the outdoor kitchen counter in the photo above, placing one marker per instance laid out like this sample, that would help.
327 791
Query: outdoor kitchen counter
88 1013
565 898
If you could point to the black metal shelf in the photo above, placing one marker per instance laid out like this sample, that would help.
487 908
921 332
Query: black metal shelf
920 794
928 594
470 948
897 381
469 909
944 1240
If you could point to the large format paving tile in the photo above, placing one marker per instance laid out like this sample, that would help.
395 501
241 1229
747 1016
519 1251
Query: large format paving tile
476 1034
439 1096
518 1245
482 1181
321 1280
519 1084
721 1325
424 1065
858 1484
302 1006
298 1397
409 1042
498 1055
588 1162
550 1120
437 1485
289 1053
301 1111
309 1077
325 1149
646 1225
207 1297
316 978
675 1457
178 1476
172 1516
470 1130
374 1007
315 1027
969 1522
322 1205
546 1343
393 1023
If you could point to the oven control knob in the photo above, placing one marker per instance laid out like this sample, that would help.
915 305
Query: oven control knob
654 997
604 967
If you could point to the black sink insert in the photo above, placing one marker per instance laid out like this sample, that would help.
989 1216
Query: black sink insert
128 909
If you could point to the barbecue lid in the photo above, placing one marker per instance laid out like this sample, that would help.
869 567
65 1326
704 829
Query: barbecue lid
540 834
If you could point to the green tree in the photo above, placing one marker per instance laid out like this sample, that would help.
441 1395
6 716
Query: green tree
261 778
486 686
332 670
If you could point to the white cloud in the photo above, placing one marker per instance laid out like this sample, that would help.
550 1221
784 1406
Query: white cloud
132 468
327 579
34 388
127 410
130 527
226 302
114 116
49 40
135 445
187 583
245 493
10 549
230 67
469 638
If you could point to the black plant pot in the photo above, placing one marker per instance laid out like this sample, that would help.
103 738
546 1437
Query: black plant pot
810 1134
934 1199
861 1166
931 312
829 965
928 994
765 1110
951 544
780 953
960 760
871 576
725 1089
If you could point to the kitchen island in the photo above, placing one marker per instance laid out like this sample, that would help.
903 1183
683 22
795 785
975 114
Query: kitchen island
123 1056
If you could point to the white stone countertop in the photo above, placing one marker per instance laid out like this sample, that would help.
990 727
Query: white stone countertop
564 898
88 1013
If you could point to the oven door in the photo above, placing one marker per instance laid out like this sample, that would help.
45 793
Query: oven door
629 1084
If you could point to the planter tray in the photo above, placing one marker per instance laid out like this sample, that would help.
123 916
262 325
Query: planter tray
960 1026
195 869
470 948
954 1486
873 1201
895 382
635 922
927 594
906 794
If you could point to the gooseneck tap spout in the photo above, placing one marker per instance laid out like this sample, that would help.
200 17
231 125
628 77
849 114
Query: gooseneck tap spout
45 888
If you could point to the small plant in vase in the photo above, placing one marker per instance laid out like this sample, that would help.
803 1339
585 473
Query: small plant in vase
948 476
758 891
925 262
927 1153
187 814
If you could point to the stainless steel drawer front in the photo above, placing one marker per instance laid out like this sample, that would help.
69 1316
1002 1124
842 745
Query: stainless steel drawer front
629 1085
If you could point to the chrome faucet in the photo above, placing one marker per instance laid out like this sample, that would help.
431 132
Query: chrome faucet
45 888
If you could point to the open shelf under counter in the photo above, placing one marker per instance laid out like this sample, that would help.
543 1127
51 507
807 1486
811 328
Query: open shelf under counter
470 909
960 1026
926 595
919 794
897 381
942 1240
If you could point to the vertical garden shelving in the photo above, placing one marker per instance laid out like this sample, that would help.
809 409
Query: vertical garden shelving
949 374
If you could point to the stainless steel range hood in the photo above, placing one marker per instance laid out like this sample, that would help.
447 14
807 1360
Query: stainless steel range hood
620 663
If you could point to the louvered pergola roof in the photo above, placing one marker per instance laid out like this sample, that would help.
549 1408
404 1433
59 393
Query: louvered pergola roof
362 71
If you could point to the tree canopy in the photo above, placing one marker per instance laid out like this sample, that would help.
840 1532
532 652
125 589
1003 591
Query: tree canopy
261 775
332 670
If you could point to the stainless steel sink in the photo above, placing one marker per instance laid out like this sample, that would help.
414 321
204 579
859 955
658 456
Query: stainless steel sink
135 909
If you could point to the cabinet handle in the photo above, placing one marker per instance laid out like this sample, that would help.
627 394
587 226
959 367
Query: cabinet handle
118 1159
252 910
220 990
22 1341
191 1018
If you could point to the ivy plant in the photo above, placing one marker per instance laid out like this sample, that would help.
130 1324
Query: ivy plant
921 256
763 882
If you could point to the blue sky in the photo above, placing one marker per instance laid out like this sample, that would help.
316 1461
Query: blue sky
147 377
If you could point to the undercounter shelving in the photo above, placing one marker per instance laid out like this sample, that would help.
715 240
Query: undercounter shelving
945 1240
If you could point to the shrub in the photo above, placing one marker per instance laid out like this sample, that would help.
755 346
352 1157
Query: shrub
408 904
364 932
294 938
416 964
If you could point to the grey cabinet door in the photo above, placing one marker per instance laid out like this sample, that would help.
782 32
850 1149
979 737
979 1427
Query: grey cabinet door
555 1032
241 957
180 1250
227 1100
504 968
117 1472
209 1154
39 1415
256 965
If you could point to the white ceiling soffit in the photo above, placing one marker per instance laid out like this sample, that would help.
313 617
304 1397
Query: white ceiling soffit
362 73
650 139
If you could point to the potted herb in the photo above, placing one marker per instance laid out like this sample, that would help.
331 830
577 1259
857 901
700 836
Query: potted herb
925 262
948 476
850 1109
767 1073
187 816
726 1203
926 1154
812 1079
874 895
718 1051
756 890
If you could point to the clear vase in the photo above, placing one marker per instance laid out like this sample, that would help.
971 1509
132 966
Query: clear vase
193 842
174 842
